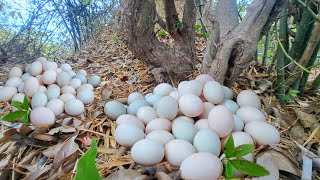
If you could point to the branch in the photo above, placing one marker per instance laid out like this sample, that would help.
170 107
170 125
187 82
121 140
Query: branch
160 21
314 15
171 15
189 15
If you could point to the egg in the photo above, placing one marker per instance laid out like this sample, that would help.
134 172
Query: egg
25 76
68 89
185 118
228 93
238 123
201 166
178 150
42 59
50 66
71 73
63 79
182 129
231 105
130 119
147 95
239 138
135 96
53 92
49 77
175 94
39 78
221 120
74 107
114 109
158 124
163 89
262 132
191 105
248 98
84 86
213 92
207 108
249 114
27 68
94 80
206 140
39 99
42 117
86 96
15 72
75 83
167 108
56 106
83 72
135 105
161 136
6 93
190 87
42 89
82 78
66 97
13 82
147 152
128 134
35 68
204 78
202 123
31 86
65 67
21 88
58 70
153 99
147 114
17 97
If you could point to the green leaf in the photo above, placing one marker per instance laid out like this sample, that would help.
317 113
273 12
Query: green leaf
243 150
25 103
293 92
229 147
249 168
197 27
17 105
25 118
14 116
86 168
229 170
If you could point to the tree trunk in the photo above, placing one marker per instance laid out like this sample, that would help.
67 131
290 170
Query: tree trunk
266 49
237 48
316 83
136 27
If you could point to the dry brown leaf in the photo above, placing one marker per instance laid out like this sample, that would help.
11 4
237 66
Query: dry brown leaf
69 147
52 151
307 120
123 174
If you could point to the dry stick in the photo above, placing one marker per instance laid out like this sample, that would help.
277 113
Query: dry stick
314 15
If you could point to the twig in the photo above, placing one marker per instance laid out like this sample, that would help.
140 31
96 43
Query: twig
309 10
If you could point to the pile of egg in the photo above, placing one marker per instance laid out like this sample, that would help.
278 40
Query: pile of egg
51 90
189 125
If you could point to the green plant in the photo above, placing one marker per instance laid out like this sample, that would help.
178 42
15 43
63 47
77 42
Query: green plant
86 167
115 37
233 160
21 113
162 34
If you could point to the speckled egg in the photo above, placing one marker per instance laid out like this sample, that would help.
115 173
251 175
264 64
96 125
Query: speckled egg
63 79
86 96
74 107
35 68
114 109
161 136
53 92
167 108
42 117
128 134
15 72
262 132
13 82
66 97
147 152
190 87
221 120
6 93
206 140
31 86
158 124
207 108
68 89
147 114
135 96
178 150
182 129
56 106
130 119
249 114
75 83
163 89
94 80
248 98
213 92
39 99
49 77
191 105
231 105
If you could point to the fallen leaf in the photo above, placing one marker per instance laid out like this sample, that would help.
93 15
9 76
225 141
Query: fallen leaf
52 151
123 174
69 147
297 133
307 120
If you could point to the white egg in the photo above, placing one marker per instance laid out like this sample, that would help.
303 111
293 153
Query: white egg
228 93
147 114
66 97
135 96
84 86
204 78
248 98
31 86
249 114
206 140
25 76
42 117
42 89
39 78
190 87
39 99
83 72
17 97
130 119
82 78
153 99
262 132
231 105
27 68
13 82
56 106
71 73
163 89
53 92
42 59
221 120
94 80
15 72
6 93
238 123
178 150
147 152
167 108
50 66
191 105
134 106
158 124
207 108
86 96
201 166
185 118
161 136
21 88
58 70
147 95
175 94
65 67
202 123
75 83
114 109
74 107
239 138
213 92
68 89
182 129
63 79
49 77
36 68
128 134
